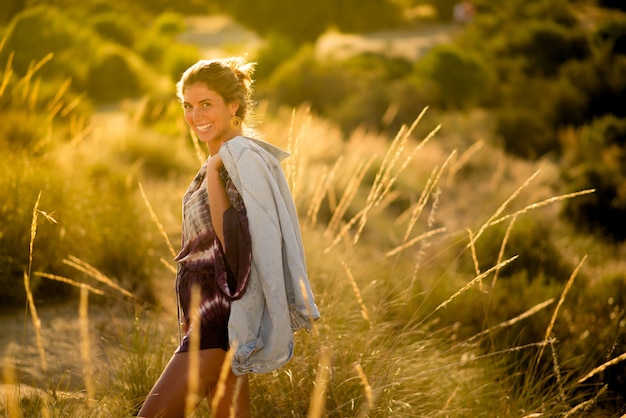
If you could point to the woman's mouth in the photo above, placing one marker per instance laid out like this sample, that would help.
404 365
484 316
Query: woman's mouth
203 128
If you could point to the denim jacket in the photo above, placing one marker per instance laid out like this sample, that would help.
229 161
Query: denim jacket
263 321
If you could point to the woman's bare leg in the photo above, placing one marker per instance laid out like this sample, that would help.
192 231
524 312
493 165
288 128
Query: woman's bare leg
168 396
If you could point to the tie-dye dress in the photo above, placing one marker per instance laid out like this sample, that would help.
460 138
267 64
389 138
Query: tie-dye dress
221 274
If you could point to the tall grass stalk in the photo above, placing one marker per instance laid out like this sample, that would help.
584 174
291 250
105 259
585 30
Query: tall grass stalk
70 282
471 283
384 179
582 407
193 397
367 388
501 208
317 405
603 367
10 381
8 72
45 411
29 295
220 388
560 303
415 240
26 80
494 220
320 191
88 269
348 196
431 183
463 159
357 293
505 324
85 346
156 220
505 240
557 372
293 147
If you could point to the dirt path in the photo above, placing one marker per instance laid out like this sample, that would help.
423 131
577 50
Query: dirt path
61 340
409 44
219 35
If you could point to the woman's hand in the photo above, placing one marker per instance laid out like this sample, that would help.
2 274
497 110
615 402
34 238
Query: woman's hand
215 163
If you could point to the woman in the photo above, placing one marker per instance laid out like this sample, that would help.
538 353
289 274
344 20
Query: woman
241 247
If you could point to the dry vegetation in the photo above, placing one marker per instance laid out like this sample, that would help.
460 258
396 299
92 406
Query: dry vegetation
421 251
386 223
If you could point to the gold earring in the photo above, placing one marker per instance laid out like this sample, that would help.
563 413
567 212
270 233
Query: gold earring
235 123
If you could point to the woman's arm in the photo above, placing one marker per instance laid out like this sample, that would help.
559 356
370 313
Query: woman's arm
230 225
218 198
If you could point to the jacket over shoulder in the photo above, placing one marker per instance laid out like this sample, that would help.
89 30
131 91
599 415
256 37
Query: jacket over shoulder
263 321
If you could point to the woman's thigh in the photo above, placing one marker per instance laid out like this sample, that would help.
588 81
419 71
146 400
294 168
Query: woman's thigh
169 395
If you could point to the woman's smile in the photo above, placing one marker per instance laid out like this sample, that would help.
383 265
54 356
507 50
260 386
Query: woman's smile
208 115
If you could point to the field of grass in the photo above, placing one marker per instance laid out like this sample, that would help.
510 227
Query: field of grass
393 231
447 284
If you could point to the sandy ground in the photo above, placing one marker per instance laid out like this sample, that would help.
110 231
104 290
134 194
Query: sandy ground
22 362
409 44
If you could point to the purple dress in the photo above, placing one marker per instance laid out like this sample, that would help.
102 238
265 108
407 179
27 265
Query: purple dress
220 273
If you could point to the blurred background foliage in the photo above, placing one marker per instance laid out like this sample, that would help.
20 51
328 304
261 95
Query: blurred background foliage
547 77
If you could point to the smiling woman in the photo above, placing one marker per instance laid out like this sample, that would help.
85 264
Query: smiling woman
241 259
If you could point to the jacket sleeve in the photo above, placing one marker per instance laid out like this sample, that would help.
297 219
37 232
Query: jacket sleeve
232 263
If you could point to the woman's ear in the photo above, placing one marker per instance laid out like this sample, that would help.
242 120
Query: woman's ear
234 107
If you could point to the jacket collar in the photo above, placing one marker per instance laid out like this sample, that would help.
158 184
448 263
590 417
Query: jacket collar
276 152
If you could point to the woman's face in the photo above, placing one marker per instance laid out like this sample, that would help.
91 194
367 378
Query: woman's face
207 114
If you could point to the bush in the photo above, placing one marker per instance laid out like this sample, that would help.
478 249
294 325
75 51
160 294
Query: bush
39 31
524 132
20 184
304 79
545 46
275 50
159 47
594 159
8 9
23 131
461 76
314 18
115 27
114 77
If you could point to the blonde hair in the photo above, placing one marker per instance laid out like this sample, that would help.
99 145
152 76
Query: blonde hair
230 77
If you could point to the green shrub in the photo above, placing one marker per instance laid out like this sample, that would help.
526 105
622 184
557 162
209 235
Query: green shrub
545 46
38 31
305 79
115 27
113 77
275 50
461 76
8 9
159 48
524 132
22 180
595 159
23 131
169 24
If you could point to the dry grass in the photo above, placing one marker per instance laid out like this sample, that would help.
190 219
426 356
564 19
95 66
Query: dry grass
364 358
